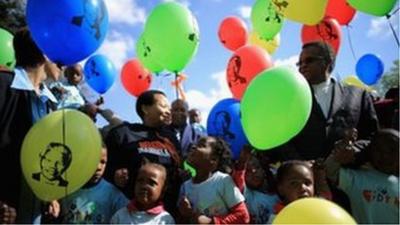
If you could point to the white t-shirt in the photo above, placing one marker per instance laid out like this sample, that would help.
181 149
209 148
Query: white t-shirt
123 216
374 196
214 196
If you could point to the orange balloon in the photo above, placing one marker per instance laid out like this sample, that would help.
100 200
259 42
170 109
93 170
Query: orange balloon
135 78
244 65
232 33
328 30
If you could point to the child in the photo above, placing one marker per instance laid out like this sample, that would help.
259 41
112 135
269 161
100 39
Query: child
250 177
300 179
95 203
146 206
374 189
211 196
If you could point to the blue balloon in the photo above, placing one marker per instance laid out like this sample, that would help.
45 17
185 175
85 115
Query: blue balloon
67 31
369 69
224 122
99 73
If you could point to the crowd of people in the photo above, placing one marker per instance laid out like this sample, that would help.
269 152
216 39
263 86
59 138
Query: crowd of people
346 153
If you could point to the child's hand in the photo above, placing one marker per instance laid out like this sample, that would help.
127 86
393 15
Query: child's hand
121 177
185 208
344 152
7 214
244 157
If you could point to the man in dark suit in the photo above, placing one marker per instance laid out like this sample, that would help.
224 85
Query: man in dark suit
335 108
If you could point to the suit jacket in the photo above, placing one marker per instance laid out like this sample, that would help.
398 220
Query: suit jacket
350 107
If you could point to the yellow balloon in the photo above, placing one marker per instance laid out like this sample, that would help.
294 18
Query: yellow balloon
269 45
308 12
60 154
354 81
313 211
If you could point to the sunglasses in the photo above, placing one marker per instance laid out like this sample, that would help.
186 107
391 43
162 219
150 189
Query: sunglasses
308 60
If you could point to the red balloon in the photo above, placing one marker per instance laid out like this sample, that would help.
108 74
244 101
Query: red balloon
135 78
232 33
328 30
243 66
341 11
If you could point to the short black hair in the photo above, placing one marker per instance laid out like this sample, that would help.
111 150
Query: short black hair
326 50
286 167
220 150
146 98
184 103
27 53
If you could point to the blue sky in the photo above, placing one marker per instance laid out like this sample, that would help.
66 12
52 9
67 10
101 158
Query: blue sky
206 83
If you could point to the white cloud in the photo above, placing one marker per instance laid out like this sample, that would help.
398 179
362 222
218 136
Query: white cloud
291 61
244 11
116 47
125 11
205 101
380 28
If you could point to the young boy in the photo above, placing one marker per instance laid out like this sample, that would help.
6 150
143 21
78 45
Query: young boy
146 207
374 189
95 203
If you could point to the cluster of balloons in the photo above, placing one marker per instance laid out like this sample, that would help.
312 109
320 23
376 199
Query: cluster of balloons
60 154
170 38
7 58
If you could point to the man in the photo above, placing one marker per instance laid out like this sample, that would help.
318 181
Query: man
24 99
335 108
186 134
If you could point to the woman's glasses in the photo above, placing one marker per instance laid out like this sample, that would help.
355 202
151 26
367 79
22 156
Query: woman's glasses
308 61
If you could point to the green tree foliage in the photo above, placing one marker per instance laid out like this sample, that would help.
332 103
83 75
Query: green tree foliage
390 79
12 14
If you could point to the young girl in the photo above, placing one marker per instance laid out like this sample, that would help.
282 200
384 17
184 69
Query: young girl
250 177
300 179
146 206
211 196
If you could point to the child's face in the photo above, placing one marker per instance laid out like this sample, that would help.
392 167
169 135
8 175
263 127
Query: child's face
200 157
149 186
74 75
100 167
254 174
385 158
298 183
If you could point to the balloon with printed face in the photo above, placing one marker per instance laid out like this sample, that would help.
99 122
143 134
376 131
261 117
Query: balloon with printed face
275 107
135 78
266 21
224 122
99 73
67 31
303 211
376 8
7 58
232 33
172 35
60 154
145 56
308 12
341 11
328 30
270 46
369 69
243 66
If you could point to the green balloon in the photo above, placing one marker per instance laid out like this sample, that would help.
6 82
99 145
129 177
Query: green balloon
373 7
275 107
145 56
267 22
7 57
173 35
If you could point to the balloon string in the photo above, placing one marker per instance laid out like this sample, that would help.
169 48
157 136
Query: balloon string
351 43
395 11
176 87
63 141
393 31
